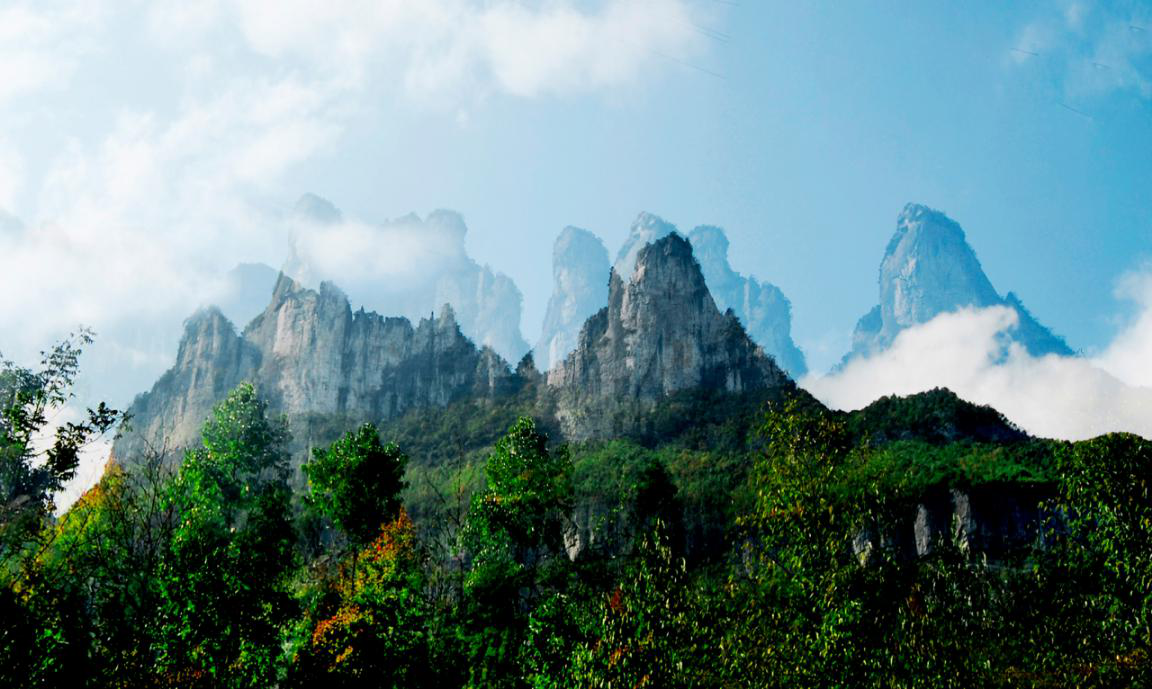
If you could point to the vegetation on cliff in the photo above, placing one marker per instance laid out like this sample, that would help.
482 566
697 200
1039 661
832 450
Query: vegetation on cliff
731 541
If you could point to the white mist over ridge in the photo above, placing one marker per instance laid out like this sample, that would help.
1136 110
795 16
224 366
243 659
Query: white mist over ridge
972 353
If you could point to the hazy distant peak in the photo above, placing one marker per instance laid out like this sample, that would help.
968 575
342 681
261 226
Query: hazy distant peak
577 244
646 229
762 308
579 289
449 222
929 269
317 209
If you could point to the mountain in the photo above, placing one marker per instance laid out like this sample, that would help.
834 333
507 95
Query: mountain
763 309
314 360
327 368
409 266
646 229
929 269
580 288
660 333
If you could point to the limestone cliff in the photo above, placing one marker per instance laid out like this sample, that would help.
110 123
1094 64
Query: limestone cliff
660 333
313 358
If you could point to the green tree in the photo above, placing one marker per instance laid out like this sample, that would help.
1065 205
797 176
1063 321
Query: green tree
357 482
30 472
377 634
1096 578
107 553
224 584
514 536
44 633
647 631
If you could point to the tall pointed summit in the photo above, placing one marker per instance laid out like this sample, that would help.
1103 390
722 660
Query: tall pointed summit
929 269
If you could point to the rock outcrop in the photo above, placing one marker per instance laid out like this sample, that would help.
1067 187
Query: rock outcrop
313 358
995 520
763 309
660 333
929 269
645 230
409 267
580 288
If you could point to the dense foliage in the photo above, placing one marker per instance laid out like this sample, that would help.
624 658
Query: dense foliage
922 542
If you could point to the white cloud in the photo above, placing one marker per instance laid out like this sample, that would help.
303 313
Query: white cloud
147 143
1051 396
453 50
1129 357
133 224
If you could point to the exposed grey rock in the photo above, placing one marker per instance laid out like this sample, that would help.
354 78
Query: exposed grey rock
646 229
763 309
929 269
660 333
313 358
990 520
212 359
579 289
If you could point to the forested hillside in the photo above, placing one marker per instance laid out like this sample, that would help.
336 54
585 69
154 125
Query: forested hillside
731 540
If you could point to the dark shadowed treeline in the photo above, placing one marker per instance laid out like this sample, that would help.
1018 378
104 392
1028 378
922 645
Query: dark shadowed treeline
798 552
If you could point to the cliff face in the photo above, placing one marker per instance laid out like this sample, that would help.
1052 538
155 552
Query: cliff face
660 333
312 357
212 360
580 288
763 309
929 269
645 230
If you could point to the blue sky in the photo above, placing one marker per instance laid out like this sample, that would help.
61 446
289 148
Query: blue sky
826 119
146 144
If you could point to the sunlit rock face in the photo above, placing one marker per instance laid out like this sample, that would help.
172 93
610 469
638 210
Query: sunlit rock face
580 289
929 269
408 267
660 333
313 358
762 307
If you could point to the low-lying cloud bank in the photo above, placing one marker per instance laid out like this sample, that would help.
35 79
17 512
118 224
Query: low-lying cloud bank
968 352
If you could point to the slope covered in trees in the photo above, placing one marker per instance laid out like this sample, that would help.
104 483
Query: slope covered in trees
734 541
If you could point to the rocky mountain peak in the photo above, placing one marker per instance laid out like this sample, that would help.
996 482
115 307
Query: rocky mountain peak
451 225
207 333
647 228
317 209
660 333
929 269
313 359
579 288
